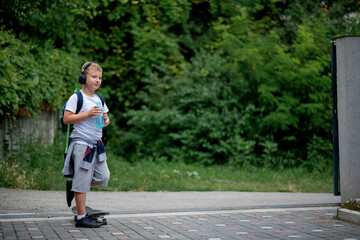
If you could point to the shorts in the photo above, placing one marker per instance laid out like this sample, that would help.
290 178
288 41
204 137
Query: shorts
98 172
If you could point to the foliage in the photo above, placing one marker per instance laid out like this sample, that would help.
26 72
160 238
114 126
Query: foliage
248 99
14 176
198 120
31 78
209 81
319 151
30 169
352 205
33 166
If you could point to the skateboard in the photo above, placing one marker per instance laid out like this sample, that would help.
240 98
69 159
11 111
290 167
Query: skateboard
96 215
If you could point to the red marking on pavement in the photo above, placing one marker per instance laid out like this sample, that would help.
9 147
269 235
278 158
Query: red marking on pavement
78 235
112 229
312 218
203 234
302 226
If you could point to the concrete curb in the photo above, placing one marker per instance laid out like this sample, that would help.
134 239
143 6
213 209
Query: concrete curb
349 215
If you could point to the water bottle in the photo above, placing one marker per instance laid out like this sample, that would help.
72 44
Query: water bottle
100 119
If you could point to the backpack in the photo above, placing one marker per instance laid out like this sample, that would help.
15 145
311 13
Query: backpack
68 127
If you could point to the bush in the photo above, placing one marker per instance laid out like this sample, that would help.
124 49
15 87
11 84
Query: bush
33 78
197 120
211 81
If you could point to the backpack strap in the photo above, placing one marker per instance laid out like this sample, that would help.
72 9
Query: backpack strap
101 98
80 101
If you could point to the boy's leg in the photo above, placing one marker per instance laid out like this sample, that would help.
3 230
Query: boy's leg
81 185
81 180
80 199
84 221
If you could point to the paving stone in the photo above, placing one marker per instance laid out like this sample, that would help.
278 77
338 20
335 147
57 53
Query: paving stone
302 224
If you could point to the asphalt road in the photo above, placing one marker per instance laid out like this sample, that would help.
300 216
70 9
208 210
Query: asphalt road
15 201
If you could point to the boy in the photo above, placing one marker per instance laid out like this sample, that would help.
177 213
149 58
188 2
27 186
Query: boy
86 149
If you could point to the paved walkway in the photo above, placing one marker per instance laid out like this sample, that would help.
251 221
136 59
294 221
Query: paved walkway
271 223
299 221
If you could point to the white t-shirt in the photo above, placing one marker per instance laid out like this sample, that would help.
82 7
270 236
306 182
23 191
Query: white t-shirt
85 129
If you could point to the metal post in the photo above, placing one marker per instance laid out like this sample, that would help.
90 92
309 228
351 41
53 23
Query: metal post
335 119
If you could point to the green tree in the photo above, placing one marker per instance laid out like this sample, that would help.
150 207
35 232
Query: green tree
211 81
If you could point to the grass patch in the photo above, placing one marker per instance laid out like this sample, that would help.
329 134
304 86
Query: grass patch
40 168
33 168
175 176
352 205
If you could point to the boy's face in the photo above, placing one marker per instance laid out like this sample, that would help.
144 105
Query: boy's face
93 79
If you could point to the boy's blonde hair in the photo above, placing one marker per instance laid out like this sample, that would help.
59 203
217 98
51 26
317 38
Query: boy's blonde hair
92 66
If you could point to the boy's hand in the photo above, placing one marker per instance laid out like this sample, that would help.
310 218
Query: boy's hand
95 111
71 118
106 120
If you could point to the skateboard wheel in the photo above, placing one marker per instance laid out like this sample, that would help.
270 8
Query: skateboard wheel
104 221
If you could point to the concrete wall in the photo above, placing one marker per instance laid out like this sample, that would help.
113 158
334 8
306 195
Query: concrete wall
28 130
348 90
